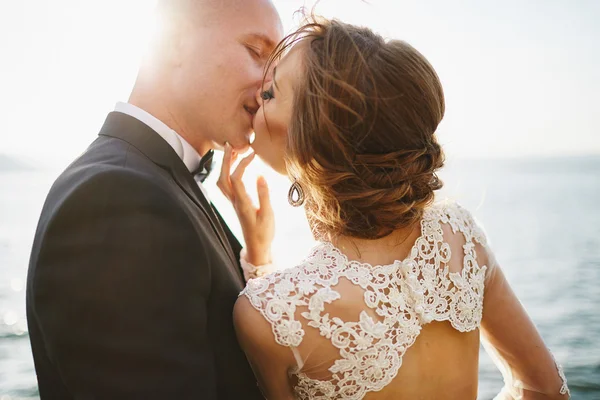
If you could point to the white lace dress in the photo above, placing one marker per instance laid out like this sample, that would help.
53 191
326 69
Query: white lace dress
399 299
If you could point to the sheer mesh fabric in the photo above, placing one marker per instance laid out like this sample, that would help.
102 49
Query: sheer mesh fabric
529 369
407 329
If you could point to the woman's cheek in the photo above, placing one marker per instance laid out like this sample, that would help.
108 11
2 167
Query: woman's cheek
278 148
270 150
261 138
260 128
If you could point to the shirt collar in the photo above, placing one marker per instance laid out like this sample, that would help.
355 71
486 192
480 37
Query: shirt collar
184 150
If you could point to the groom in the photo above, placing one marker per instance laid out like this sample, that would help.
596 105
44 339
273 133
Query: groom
133 275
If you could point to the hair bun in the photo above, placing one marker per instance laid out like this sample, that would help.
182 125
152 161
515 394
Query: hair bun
362 136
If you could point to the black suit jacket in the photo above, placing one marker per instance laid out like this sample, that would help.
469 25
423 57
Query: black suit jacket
132 279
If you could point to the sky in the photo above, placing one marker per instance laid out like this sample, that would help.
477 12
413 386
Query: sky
520 78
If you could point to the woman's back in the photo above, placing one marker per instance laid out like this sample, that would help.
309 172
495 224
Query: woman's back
406 329
353 118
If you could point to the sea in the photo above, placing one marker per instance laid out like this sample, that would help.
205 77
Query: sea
542 216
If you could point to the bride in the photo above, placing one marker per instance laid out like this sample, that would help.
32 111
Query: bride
393 302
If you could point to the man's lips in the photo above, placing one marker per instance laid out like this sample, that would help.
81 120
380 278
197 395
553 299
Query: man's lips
252 110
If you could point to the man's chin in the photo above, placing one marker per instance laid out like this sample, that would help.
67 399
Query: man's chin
240 149
239 145
242 145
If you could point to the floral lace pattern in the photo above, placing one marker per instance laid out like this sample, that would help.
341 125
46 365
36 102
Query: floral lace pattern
405 295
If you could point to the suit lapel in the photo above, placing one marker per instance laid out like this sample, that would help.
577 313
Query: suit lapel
187 183
146 140
233 241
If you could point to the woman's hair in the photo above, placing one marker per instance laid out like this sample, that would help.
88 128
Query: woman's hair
361 140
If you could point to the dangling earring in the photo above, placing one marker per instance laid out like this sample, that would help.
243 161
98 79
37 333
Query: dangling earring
297 190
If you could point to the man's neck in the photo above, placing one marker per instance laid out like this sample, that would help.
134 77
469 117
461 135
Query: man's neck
146 100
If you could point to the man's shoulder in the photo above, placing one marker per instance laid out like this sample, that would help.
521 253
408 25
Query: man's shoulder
109 157
110 168
108 153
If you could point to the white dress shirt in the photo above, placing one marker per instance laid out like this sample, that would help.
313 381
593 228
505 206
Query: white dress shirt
184 150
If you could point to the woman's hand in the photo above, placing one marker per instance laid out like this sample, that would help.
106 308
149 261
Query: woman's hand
258 224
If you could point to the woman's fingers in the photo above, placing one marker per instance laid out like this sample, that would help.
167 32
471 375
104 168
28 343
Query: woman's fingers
242 199
224 181
266 211
233 188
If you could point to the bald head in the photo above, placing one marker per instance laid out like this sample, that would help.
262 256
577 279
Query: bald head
207 66
207 12
213 19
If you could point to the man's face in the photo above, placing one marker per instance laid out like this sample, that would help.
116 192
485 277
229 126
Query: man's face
220 69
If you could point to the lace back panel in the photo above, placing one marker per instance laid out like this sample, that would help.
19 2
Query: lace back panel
400 298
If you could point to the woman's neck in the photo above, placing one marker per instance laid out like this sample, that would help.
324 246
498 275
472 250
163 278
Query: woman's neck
380 251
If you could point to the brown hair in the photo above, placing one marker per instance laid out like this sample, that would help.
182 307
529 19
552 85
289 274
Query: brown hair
361 140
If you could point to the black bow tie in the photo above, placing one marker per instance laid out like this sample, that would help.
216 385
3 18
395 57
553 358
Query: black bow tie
206 164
